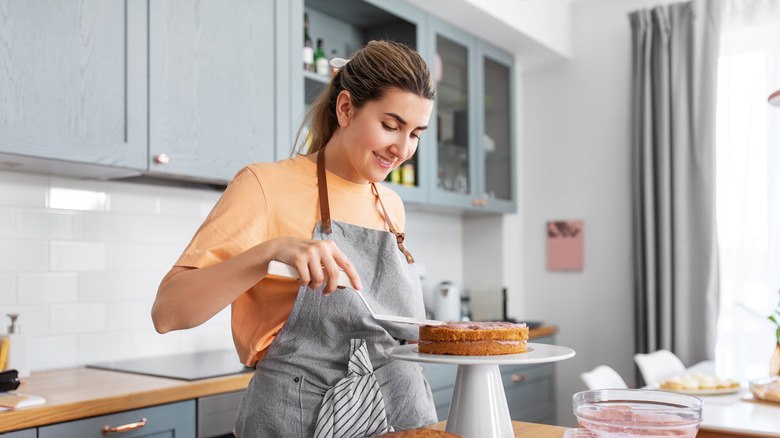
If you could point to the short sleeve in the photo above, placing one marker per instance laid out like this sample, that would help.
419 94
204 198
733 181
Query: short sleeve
238 221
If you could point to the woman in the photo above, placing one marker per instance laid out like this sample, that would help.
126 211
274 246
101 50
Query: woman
321 363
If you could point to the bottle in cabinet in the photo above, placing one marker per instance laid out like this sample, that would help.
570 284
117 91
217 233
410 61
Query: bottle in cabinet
308 49
320 60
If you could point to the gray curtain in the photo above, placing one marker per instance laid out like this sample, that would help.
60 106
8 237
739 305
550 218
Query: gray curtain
675 56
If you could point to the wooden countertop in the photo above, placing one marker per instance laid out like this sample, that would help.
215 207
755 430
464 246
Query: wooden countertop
77 393
522 429
545 330
82 392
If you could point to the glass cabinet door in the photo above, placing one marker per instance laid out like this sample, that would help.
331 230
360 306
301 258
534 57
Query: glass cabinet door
497 136
453 72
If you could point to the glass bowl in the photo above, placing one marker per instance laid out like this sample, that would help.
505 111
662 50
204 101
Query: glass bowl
767 389
618 413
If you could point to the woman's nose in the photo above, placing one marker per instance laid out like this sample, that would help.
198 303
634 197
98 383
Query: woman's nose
401 149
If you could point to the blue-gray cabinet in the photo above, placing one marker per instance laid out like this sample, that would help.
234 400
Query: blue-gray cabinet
175 88
466 159
73 81
26 433
211 86
169 420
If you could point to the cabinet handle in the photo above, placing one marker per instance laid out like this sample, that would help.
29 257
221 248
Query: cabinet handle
520 378
124 428
162 159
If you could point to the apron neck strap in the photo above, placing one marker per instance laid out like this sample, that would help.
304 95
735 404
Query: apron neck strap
399 237
322 185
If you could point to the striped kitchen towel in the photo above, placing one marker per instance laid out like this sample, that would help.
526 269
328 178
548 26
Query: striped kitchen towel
354 407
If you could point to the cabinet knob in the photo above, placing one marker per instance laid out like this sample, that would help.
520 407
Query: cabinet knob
162 158
124 427
483 202
475 202
519 378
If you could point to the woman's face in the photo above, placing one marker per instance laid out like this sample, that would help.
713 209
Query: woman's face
378 137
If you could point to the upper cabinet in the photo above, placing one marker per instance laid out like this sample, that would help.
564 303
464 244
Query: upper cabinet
196 89
73 81
177 88
211 86
344 26
496 137
466 159
474 154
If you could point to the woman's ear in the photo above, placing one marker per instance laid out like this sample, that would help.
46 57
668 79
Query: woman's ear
344 108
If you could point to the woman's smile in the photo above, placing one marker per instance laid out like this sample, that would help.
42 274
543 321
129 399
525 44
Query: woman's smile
386 163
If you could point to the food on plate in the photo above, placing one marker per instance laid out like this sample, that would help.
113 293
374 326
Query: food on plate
420 433
766 389
697 382
469 338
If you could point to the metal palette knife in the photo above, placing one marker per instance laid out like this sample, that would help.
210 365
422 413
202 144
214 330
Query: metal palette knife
285 270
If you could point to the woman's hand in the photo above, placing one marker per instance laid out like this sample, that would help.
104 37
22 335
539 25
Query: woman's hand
317 262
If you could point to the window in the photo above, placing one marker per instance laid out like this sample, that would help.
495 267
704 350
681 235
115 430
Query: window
748 199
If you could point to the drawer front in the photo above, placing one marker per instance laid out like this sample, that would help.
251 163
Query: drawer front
170 420
530 392
217 414
26 433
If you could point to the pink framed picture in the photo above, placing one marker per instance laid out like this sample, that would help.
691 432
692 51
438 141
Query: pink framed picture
565 245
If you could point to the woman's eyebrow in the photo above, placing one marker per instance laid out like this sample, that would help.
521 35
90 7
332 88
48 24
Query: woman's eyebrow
403 122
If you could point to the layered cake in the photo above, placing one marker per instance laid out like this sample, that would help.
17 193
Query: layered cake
468 338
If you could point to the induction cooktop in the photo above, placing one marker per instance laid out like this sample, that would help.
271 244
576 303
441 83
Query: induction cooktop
189 366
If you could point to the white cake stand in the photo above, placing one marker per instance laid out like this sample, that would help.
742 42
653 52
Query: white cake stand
478 408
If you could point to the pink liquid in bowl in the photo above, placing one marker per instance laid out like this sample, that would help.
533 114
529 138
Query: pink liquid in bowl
637 413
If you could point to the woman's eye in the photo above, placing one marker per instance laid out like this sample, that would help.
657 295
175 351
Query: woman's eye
388 127
417 136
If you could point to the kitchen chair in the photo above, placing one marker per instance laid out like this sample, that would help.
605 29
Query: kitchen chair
658 365
603 377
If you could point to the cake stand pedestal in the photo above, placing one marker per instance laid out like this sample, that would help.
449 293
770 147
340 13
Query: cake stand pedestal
478 408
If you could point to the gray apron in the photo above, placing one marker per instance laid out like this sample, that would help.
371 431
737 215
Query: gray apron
314 350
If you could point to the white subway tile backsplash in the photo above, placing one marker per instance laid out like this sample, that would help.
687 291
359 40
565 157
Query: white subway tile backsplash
7 227
137 228
21 189
42 288
45 224
105 347
77 256
181 202
32 321
129 315
69 319
22 255
106 287
7 290
122 257
52 352
133 198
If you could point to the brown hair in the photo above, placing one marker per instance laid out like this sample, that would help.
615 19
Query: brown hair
377 67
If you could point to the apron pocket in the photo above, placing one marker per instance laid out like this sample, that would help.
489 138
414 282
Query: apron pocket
311 395
407 395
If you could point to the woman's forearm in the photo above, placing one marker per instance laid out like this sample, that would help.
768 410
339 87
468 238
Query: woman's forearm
188 297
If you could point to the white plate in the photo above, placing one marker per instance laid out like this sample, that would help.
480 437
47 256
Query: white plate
720 391
537 353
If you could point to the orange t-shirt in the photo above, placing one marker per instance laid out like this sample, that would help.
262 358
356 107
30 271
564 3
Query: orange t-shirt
268 200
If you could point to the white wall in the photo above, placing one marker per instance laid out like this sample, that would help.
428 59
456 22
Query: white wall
576 165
